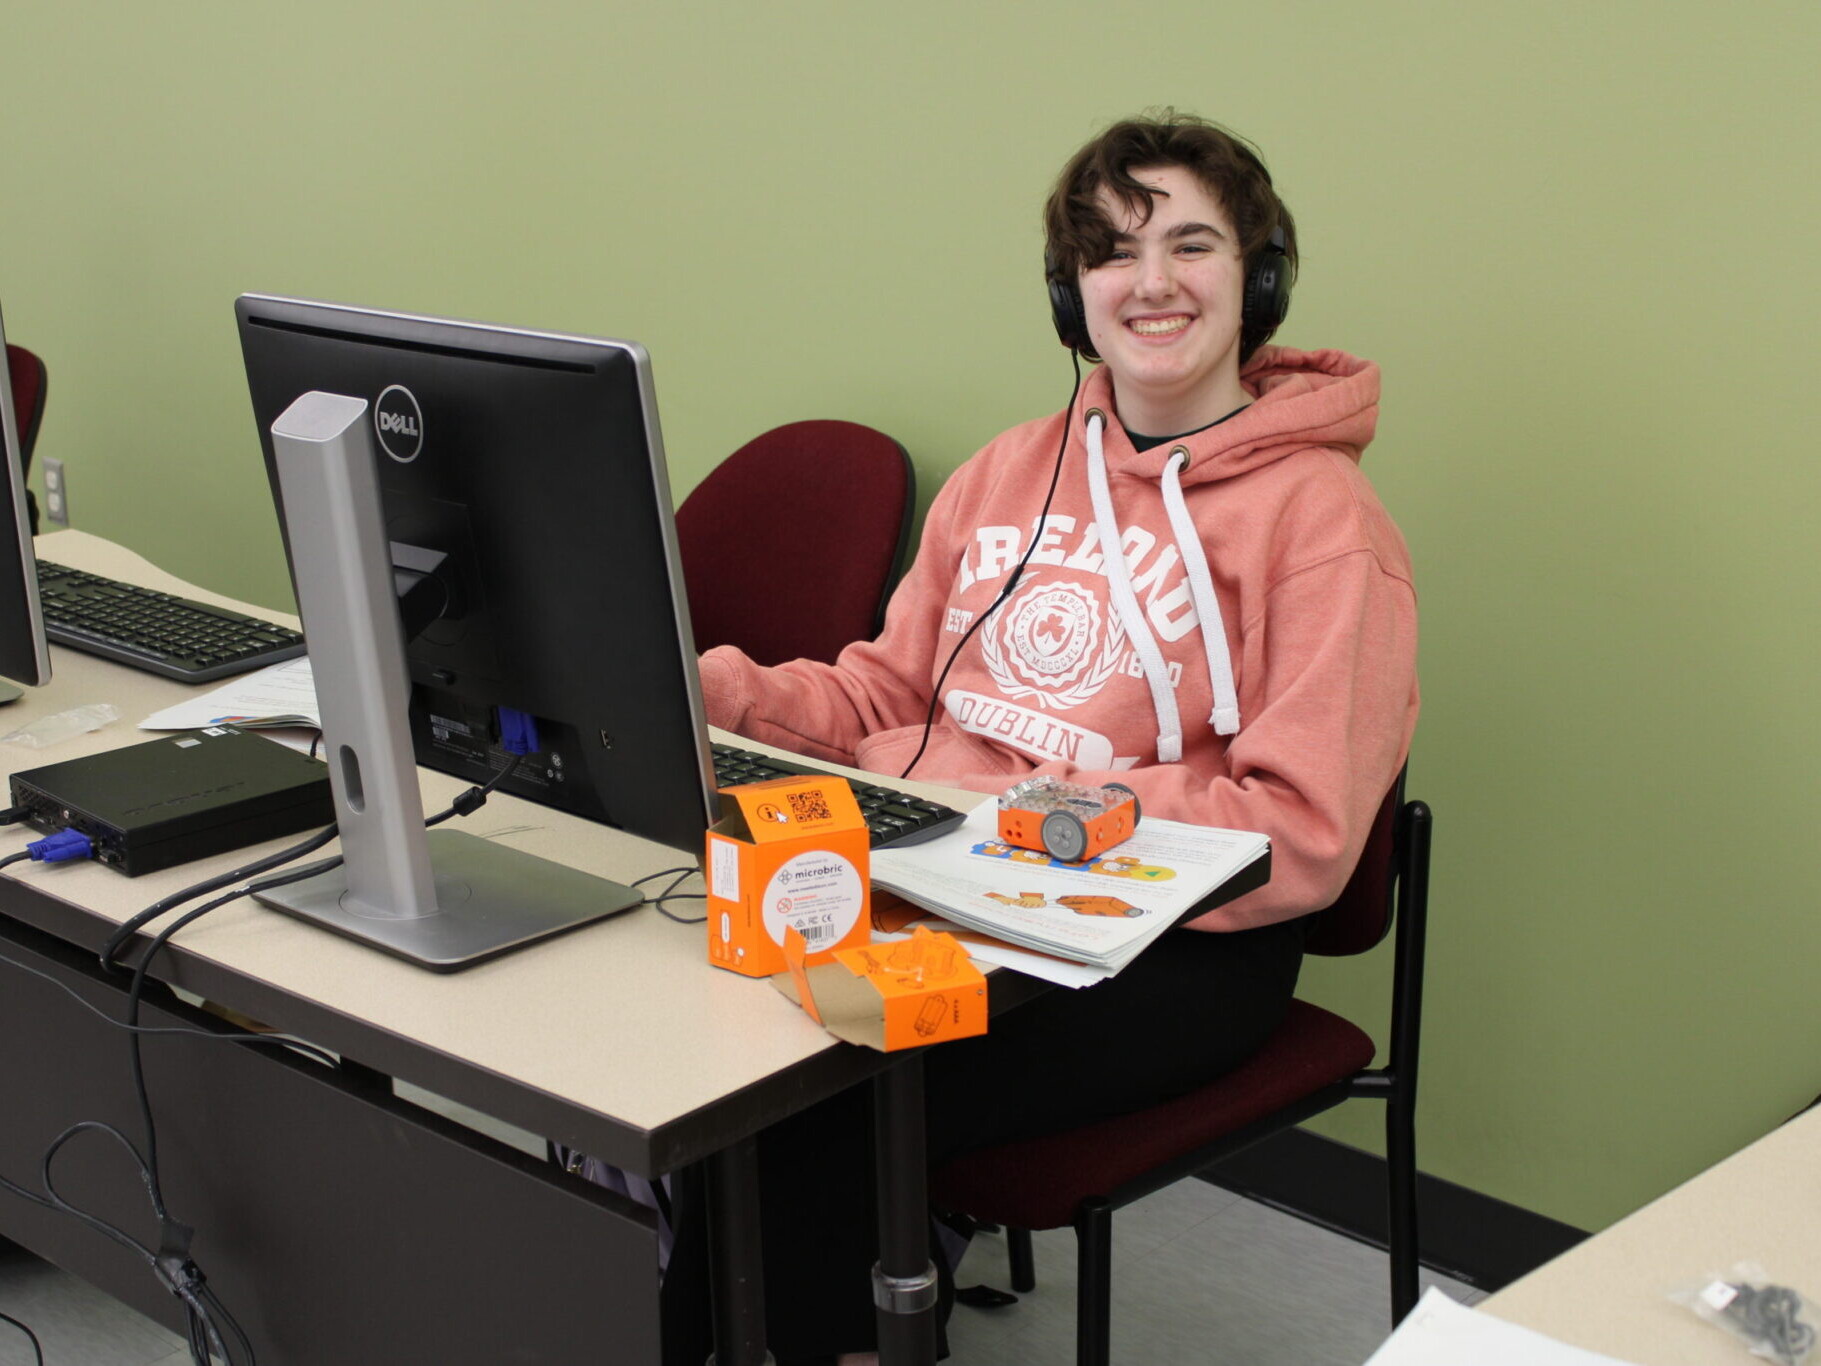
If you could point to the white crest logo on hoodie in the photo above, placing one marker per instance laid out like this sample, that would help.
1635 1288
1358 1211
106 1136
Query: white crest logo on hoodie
1053 643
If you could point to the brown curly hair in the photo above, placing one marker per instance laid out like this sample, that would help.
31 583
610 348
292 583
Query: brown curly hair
1079 236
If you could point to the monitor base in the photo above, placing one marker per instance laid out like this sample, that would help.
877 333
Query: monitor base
491 900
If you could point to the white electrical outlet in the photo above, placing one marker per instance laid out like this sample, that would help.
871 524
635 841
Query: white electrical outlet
56 492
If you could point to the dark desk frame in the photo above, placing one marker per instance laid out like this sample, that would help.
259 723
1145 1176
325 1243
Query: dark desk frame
472 1251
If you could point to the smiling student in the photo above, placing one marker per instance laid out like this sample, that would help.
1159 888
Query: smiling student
1183 583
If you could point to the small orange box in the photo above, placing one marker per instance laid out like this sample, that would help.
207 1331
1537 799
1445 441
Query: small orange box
791 853
906 994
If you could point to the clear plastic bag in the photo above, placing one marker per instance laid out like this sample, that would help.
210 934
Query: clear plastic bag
64 725
1772 1320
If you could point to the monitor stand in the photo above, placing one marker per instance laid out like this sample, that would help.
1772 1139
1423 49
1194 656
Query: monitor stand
441 899
9 692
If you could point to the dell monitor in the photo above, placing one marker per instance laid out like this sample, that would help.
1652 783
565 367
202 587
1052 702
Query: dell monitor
478 525
24 655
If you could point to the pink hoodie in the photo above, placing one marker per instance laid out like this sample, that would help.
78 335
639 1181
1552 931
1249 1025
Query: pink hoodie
1291 717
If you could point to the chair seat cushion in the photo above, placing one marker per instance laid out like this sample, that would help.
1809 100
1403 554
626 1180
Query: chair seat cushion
1038 1183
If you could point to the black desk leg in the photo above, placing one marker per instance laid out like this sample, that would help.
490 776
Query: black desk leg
736 1256
904 1281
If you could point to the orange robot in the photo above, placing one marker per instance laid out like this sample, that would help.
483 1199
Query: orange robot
1067 821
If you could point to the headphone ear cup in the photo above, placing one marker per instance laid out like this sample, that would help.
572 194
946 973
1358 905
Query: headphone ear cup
1067 311
1267 301
1267 297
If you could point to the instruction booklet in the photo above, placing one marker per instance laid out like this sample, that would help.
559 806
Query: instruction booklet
1101 913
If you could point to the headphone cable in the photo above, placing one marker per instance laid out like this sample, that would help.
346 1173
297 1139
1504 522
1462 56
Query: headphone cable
1011 583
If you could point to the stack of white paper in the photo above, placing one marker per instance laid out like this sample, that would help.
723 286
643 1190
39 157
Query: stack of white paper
279 695
1102 912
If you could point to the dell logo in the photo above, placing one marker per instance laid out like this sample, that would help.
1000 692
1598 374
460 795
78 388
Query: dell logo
399 422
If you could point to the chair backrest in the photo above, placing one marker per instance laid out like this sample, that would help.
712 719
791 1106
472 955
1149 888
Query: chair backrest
30 382
1361 916
792 545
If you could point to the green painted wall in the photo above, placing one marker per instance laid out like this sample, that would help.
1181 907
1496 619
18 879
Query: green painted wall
1579 238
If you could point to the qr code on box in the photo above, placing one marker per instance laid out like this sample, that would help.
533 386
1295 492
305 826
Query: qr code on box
809 806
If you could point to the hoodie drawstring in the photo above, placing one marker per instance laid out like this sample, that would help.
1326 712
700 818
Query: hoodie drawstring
1225 717
1125 602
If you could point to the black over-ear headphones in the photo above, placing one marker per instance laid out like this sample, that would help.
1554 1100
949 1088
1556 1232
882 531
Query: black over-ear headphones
1264 307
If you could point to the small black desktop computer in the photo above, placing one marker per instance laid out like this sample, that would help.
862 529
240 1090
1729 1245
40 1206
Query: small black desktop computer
178 798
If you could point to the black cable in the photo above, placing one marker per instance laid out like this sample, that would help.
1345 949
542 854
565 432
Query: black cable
37 1349
1011 583
475 798
468 801
239 1036
202 1305
671 893
1769 1317
129 928
13 817
57 1202
205 1315
19 857
170 1263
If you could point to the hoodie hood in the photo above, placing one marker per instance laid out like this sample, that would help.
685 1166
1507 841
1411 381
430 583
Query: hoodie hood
1300 399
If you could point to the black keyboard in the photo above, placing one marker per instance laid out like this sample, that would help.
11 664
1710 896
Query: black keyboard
170 636
892 816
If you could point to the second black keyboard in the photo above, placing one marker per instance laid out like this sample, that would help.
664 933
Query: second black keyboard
163 634
892 817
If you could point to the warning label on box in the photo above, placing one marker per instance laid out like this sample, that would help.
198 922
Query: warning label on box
820 894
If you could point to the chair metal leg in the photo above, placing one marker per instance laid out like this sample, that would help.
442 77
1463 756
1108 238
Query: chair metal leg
904 1279
1024 1259
1400 1168
1094 1283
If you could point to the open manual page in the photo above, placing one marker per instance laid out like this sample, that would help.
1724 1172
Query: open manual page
1100 913
280 697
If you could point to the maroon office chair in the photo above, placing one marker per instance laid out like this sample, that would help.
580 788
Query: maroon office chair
792 545
30 382
1313 1062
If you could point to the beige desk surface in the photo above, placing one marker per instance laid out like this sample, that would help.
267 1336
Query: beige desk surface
1763 1205
623 1019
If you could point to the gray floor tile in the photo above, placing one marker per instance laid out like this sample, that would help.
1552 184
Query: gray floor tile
1138 1231
77 1324
1243 1285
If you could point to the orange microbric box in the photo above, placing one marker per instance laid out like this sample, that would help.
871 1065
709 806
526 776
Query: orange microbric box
788 853
906 994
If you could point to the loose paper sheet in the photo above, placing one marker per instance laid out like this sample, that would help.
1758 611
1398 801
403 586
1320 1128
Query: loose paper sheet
1440 1332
